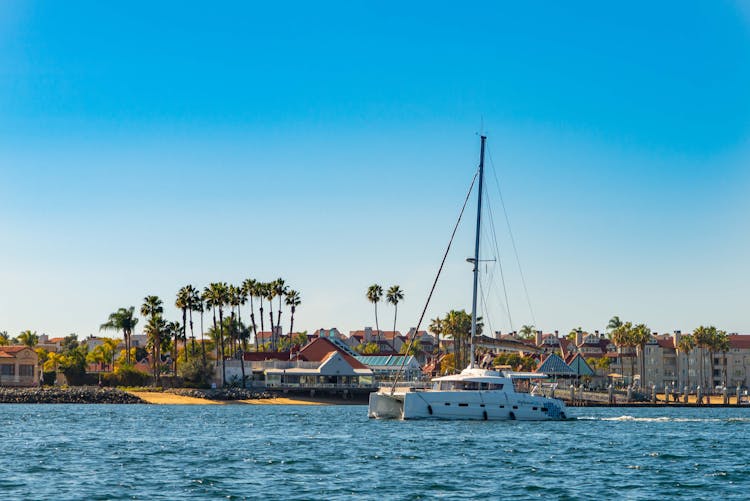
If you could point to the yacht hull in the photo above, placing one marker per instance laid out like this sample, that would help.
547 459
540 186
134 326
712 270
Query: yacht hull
469 405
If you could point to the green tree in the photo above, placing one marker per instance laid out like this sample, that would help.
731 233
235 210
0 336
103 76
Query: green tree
262 288
280 290
4 338
182 302
527 332
270 292
457 326
293 300
622 337
252 289
412 348
686 345
703 338
436 327
368 348
217 296
614 323
374 295
394 296
124 320
157 332
641 335
28 338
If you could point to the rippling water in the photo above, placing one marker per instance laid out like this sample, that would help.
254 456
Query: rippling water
238 452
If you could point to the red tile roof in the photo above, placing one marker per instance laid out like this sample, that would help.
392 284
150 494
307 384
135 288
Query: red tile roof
259 356
739 341
13 349
319 349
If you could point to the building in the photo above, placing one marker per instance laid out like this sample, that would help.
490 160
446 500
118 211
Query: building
321 364
18 366
385 367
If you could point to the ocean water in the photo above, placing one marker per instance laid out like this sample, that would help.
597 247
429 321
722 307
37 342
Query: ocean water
304 452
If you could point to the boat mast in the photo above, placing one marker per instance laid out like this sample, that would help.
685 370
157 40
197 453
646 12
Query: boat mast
476 255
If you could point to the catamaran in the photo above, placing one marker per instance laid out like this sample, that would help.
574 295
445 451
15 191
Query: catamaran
475 393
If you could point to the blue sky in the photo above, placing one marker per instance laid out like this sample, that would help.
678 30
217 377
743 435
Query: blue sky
143 147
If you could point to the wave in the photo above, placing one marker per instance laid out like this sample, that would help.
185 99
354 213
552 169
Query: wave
663 419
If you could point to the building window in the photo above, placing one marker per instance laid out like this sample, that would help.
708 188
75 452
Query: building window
7 370
26 370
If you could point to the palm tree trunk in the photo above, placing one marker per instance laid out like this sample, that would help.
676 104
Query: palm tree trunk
252 320
377 325
262 328
203 341
278 318
192 337
221 339
291 325
395 315
273 331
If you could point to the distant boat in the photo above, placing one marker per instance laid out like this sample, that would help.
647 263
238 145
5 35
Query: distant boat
475 393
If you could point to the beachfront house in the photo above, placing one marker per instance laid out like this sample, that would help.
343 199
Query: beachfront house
18 366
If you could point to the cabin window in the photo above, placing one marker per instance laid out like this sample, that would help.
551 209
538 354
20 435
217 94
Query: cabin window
502 407
463 405
534 408
515 407
481 405
447 403
544 409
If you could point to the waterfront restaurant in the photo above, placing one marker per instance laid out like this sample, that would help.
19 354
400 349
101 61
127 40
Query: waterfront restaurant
334 371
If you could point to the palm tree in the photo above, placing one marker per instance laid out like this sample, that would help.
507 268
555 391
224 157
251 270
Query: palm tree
614 323
686 345
124 320
527 331
436 327
152 309
250 287
280 290
292 300
641 336
152 306
4 338
702 336
156 330
261 289
622 338
183 303
28 338
722 345
394 296
233 297
374 294
194 303
270 292
197 304
219 297
241 300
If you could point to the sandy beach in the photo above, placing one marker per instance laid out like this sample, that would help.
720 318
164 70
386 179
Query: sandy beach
160 398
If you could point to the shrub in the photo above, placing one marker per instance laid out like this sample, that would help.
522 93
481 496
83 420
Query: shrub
195 373
129 376
49 378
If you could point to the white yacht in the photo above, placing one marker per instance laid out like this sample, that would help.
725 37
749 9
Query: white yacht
475 393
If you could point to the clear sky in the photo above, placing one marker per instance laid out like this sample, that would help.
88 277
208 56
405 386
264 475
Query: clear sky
148 145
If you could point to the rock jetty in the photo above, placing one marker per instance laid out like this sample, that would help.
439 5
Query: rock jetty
221 394
71 395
